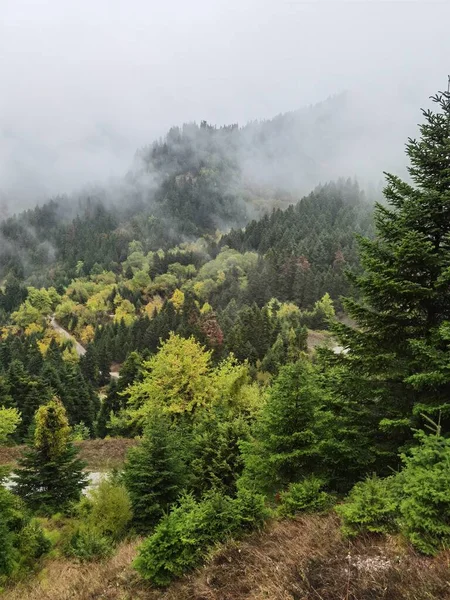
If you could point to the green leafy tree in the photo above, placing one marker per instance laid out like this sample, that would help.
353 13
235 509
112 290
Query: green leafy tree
50 475
9 420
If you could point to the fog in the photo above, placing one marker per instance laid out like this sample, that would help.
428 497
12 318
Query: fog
84 84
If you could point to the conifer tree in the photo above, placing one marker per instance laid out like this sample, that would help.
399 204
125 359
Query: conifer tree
286 436
395 349
425 501
50 474
111 404
153 472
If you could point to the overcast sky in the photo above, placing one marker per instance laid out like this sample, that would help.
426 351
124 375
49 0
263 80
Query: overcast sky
83 83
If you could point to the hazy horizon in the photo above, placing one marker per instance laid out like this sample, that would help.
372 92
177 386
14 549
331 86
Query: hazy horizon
87 84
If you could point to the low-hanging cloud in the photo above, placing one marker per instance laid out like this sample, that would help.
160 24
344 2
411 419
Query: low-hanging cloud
84 84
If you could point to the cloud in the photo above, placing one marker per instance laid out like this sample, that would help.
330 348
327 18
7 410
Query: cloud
84 84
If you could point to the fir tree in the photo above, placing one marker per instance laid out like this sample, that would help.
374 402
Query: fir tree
153 473
286 436
394 350
50 474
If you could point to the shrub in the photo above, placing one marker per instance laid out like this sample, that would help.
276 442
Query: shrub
32 543
110 509
425 506
183 538
305 496
88 544
22 540
251 509
371 506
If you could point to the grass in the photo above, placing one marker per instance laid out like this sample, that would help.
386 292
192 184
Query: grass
100 455
301 559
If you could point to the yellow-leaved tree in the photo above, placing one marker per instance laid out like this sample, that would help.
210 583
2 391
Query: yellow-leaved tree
181 379
175 380
9 420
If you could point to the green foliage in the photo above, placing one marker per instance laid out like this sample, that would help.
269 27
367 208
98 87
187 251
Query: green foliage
22 540
425 503
371 507
215 459
80 432
183 538
397 350
153 473
110 509
9 420
306 496
50 474
174 380
88 544
286 435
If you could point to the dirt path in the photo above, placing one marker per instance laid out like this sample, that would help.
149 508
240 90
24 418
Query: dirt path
80 350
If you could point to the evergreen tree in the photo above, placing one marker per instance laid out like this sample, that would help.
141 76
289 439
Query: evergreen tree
111 404
425 501
89 365
288 431
215 458
153 472
50 475
401 318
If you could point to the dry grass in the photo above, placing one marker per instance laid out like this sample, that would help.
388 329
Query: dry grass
305 559
100 455
318 338
67 580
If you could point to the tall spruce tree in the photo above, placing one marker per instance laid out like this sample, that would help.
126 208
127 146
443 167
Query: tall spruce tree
153 473
396 350
288 432
50 474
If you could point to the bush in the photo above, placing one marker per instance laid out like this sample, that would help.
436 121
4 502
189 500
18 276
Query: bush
183 538
371 506
32 543
425 506
22 540
88 544
110 509
306 496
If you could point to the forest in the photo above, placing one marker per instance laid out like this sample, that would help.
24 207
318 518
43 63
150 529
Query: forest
272 362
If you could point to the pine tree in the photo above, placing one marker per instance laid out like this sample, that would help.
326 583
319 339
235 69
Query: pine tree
89 365
394 349
287 435
425 502
50 475
153 473
78 396
111 404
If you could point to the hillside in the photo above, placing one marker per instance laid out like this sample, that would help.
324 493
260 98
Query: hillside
270 402
198 179
303 559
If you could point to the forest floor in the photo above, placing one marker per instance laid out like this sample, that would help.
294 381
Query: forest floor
302 559
100 455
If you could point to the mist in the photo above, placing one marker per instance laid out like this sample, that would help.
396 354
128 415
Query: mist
86 84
